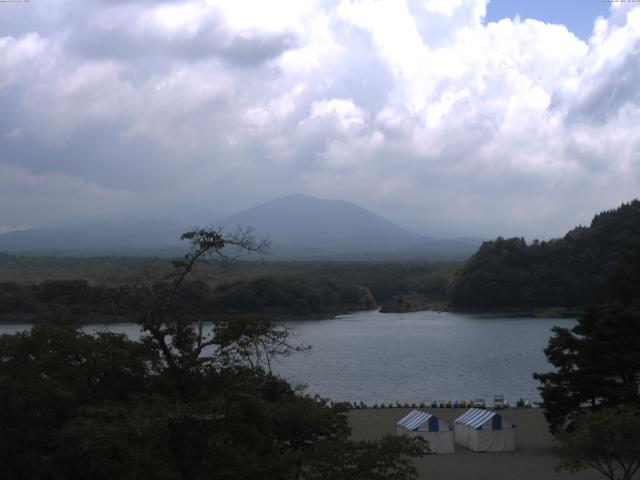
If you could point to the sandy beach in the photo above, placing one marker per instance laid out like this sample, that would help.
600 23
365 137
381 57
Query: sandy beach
534 459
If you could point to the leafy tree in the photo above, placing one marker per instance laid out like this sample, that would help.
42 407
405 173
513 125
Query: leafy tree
606 440
183 403
49 376
597 364
592 399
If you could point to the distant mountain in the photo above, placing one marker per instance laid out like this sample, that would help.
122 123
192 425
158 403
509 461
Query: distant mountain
304 227
300 228
299 220
126 237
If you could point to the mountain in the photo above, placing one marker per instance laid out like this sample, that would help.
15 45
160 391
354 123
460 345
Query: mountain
126 237
300 220
587 266
300 228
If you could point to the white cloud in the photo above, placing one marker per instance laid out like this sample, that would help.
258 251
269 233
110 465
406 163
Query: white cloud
344 112
16 58
413 108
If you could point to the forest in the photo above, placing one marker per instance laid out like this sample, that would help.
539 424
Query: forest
88 287
582 268
269 296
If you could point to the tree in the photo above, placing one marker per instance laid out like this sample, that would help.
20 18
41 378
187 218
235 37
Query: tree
54 379
159 307
606 440
597 364
183 403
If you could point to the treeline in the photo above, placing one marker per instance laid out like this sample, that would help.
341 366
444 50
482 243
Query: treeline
267 296
580 269
286 296
384 279
100 270
36 285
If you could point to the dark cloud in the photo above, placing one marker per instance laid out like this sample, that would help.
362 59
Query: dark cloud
251 50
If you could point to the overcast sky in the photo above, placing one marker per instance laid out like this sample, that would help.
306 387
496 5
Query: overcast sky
441 115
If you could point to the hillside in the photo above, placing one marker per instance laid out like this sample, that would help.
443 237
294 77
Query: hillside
584 267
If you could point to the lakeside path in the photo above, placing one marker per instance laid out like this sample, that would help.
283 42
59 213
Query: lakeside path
534 459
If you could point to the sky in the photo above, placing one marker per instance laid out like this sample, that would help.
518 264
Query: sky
449 117
577 15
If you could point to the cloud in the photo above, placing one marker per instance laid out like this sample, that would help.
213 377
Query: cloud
53 193
416 109
172 31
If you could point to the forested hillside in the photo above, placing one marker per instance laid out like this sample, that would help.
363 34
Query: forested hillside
263 296
580 269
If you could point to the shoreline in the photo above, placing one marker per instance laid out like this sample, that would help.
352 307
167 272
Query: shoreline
534 459
104 319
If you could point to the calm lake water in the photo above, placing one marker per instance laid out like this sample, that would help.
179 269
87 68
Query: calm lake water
412 357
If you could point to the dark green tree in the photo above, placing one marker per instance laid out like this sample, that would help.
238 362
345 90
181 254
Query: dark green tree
597 364
186 402
606 440
55 380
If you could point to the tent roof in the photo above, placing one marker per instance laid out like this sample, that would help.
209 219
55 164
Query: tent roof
414 420
476 417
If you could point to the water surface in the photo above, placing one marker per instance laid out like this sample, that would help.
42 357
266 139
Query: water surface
411 357
421 356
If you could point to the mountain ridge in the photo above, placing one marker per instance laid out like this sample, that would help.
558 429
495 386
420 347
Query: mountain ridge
302 220
300 228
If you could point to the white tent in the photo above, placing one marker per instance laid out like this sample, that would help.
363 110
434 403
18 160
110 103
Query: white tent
485 431
433 430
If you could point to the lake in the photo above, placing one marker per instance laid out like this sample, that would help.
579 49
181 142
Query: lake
412 357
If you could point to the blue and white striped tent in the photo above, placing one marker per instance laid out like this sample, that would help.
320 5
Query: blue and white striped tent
485 431
431 428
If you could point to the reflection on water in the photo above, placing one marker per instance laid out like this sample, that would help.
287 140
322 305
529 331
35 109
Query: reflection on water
411 357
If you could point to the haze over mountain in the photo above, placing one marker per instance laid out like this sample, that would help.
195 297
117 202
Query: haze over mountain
125 237
299 226
303 221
